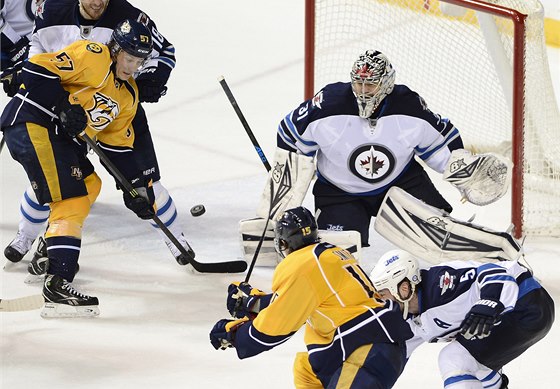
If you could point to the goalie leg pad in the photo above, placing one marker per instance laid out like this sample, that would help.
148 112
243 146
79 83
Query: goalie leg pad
251 231
348 240
432 235
287 183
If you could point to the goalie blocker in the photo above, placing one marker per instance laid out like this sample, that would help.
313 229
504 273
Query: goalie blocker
432 235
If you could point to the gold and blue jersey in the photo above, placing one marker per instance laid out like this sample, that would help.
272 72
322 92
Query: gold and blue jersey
322 287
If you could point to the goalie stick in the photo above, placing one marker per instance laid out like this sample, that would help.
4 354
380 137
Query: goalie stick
216 267
235 106
27 303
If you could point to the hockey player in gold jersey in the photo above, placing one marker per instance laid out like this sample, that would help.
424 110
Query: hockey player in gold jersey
85 87
353 339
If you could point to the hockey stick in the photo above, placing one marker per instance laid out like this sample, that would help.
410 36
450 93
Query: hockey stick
235 106
216 267
27 303
2 143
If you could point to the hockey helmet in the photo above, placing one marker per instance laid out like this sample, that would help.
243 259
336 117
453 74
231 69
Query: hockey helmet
296 228
133 38
394 267
373 78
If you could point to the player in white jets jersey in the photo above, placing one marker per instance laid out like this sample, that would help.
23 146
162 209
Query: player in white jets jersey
367 136
61 22
16 24
489 312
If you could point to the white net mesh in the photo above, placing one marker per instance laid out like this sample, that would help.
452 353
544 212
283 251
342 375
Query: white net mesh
461 62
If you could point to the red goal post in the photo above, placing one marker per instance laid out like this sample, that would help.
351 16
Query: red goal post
482 64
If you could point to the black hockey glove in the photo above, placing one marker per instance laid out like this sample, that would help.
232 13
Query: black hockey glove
222 335
481 319
142 203
243 300
11 79
19 50
150 90
72 117
151 83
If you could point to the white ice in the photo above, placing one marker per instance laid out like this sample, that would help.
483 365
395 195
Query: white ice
155 316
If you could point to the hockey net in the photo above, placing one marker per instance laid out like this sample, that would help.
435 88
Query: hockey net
482 64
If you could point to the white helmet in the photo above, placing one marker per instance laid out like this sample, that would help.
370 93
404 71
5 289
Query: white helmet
392 268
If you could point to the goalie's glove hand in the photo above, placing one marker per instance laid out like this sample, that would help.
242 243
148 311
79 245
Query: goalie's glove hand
12 78
482 317
72 117
142 202
223 333
151 84
243 300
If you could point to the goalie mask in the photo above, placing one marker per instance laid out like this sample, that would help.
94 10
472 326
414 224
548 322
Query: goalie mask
296 229
373 78
393 268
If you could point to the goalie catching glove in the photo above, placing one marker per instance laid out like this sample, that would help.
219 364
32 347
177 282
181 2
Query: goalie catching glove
222 335
481 178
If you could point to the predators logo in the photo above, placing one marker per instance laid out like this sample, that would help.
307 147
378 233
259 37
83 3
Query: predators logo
103 112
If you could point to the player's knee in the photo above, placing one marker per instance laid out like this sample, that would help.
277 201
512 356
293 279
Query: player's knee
457 367
93 185
67 216
304 378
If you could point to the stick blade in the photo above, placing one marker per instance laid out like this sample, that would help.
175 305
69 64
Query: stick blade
27 303
220 267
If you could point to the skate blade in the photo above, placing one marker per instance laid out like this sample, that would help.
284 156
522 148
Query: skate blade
54 310
32 278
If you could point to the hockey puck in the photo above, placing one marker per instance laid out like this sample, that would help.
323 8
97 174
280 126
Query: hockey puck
198 210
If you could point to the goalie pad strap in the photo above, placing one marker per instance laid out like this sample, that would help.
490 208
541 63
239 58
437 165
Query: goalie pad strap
432 235
287 183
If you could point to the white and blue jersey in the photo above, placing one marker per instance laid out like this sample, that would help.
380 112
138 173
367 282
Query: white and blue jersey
366 156
448 291
59 23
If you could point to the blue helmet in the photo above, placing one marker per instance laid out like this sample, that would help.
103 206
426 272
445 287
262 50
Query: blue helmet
296 229
132 37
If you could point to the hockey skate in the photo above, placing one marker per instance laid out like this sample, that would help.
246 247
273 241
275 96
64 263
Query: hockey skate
18 247
39 265
179 256
62 300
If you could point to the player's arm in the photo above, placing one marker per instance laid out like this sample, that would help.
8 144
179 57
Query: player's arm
498 294
14 46
438 138
153 77
289 308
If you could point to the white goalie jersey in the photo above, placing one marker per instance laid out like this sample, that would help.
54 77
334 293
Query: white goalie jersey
362 156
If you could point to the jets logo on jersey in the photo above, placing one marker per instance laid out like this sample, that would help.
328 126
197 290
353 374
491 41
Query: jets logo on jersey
37 8
372 162
446 282
103 112
317 100
94 48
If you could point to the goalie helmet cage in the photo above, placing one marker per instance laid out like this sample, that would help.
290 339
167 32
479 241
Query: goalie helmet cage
484 65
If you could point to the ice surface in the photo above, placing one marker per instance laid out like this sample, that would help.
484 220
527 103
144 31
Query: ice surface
155 316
